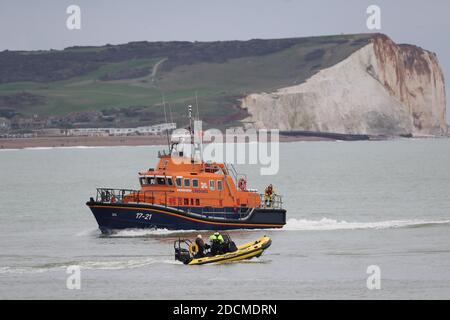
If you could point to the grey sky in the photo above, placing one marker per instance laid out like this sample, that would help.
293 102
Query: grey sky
27 25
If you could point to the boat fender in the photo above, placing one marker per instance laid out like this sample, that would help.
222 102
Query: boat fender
193 248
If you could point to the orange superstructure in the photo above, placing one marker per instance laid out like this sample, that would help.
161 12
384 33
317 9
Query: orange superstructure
188 183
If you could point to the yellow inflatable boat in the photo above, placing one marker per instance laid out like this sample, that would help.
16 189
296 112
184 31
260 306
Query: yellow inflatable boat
187 252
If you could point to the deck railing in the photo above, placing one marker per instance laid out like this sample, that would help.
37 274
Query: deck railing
110 195
274 201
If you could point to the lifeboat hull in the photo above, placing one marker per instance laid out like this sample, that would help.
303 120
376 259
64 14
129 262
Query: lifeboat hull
116 216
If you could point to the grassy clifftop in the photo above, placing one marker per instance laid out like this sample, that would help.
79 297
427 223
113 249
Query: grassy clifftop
122 85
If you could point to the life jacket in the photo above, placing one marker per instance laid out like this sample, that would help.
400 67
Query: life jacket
218 238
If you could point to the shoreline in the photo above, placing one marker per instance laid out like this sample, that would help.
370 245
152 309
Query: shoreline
56 142
129 141
108 141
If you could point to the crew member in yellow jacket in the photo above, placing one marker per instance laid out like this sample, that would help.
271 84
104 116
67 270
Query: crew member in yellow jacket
216 243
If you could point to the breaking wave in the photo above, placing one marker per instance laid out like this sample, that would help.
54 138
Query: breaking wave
331 224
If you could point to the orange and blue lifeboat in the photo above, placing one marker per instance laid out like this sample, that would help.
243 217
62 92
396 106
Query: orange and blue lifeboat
187 195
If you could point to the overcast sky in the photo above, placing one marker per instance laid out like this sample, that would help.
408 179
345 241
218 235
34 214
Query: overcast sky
31 25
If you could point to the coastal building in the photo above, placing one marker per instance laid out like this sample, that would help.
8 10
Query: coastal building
158 129
88 132
147 130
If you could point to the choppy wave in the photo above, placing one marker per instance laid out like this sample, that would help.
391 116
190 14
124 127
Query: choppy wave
332 224
88 265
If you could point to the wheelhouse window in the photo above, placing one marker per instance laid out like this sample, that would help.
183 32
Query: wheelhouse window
212 184
187 183
195 183
179 181
147 181
170 181
160 180
219 185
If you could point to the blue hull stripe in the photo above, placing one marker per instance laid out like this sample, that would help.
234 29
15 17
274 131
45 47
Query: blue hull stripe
126 217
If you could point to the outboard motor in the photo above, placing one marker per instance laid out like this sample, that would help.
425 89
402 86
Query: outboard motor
229 245
182 254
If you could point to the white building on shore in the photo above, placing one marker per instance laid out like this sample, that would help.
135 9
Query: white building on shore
157 129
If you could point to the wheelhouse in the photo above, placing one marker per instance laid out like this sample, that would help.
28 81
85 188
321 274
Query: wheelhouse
196 183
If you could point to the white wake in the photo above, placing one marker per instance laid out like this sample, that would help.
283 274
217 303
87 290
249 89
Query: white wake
332 224
88 265
125 233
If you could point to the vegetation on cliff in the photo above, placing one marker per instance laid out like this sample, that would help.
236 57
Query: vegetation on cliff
122 85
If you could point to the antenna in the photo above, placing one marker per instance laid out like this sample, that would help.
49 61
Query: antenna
191 132
165 118
171 122
190 119
196 102
170 113
200 146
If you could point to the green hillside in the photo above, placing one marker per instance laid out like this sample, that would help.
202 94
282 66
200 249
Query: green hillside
124 84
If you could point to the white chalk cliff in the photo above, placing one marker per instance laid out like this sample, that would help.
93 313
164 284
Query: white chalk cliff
381 89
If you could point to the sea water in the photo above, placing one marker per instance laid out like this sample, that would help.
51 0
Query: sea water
351 205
